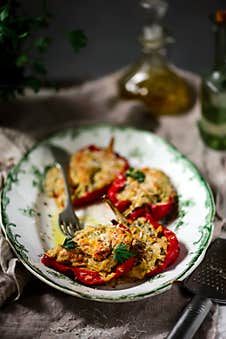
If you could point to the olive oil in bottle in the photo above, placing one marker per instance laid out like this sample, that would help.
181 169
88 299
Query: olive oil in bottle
152 79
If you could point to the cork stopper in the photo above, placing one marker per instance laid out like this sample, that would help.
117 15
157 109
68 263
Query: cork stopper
220 16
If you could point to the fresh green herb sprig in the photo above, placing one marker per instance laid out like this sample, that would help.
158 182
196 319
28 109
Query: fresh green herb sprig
23 42
77 39
135 174
121 254
69 244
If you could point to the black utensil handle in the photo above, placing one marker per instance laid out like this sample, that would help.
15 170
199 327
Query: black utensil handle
191 318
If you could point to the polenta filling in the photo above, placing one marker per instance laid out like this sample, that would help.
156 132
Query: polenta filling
96 248
146 186
90 169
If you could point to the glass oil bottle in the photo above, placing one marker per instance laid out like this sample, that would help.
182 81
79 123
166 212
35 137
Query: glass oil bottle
152 79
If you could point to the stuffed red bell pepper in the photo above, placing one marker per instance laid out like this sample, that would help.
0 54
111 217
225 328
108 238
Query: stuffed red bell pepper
95 255
92 169
143 188
155 247
133 249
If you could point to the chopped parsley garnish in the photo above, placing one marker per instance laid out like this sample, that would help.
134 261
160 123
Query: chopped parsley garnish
137 175
121 254
69 244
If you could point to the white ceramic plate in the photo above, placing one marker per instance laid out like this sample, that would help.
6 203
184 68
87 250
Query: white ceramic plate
27 212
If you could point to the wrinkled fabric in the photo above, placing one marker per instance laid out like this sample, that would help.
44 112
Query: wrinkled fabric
46 313
43 312
13 276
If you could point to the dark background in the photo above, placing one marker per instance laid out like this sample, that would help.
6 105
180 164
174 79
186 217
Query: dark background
112 28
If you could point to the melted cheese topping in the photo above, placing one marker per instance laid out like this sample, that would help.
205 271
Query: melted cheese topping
94 248
156 188
89 170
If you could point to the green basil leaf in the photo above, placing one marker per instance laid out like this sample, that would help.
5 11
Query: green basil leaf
34 83
4 13
77 39
43 43
121 254
22 60
43 20
69 244
39 67
137 175
23 35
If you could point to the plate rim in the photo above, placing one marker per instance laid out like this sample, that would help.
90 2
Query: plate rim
197 259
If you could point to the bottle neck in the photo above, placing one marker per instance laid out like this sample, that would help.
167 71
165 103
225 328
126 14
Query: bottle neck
155 57
220 47
153 41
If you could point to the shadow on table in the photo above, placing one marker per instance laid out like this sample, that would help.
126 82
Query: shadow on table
48 313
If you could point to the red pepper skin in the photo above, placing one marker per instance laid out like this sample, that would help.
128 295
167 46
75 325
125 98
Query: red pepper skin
172 250
158 211
173 244
87 277
115 188
143 212
90 197
95 195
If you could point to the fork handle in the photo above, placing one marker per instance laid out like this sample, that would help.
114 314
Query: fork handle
191 318
68 203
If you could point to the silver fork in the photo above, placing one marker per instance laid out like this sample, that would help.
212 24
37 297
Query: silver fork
67 220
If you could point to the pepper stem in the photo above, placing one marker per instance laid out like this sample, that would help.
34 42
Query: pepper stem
110 147
120 217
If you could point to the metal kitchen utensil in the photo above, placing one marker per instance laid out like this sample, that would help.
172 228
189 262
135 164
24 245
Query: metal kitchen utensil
67 220
208 284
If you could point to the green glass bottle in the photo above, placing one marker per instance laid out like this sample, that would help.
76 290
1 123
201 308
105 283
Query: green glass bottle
212 124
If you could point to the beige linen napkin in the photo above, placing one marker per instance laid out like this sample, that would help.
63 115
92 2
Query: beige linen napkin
43 311
13 276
